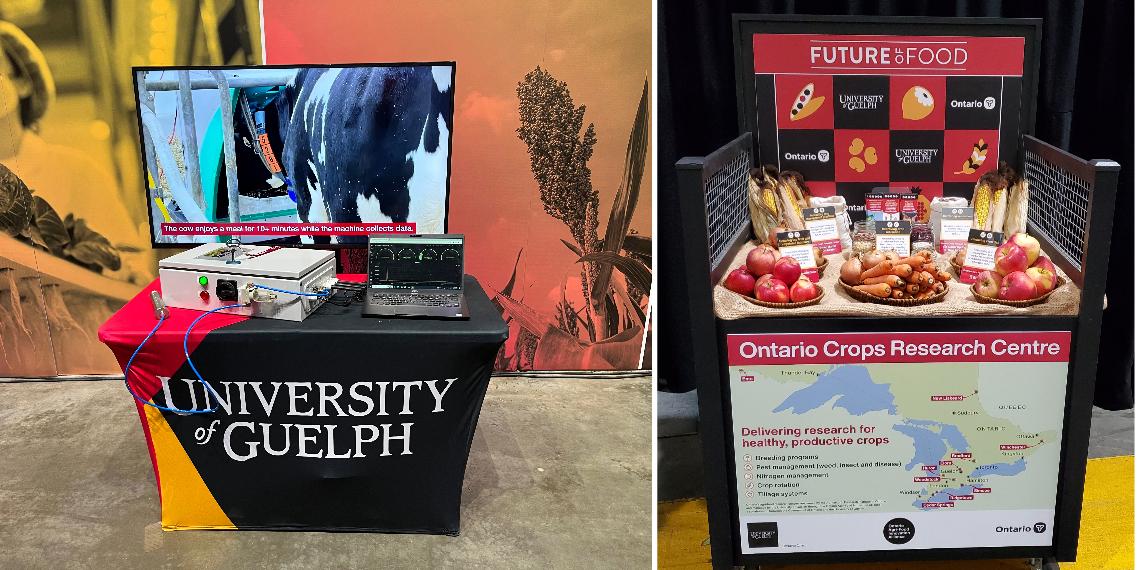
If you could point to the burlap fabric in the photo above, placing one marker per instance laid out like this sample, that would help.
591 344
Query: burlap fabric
1065 300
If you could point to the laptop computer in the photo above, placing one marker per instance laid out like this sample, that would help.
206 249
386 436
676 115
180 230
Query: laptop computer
415 276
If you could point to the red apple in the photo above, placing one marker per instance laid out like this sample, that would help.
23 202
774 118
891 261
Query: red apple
1045 263
740 281
772 235
761 259
1017 286
802 290
988 284
1043 279
787 270
772 291
1029 243
1009 258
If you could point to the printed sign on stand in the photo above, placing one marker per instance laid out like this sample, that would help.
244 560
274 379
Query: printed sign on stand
980 249
893 236
796 244
954 229
824 229
908 206
896 440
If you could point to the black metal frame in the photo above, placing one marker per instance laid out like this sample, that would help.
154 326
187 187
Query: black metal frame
745 25
709 335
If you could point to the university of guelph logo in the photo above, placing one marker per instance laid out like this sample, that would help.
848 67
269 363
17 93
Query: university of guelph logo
763 535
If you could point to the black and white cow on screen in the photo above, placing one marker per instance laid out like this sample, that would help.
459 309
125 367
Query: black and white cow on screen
368 144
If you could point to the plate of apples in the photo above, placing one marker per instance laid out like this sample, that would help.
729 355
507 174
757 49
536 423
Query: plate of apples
769 280
1022 275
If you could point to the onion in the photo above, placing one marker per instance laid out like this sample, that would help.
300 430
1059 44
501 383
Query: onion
872 258
851 271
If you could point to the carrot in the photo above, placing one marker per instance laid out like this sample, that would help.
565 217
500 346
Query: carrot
914 288
925 279
925 294
879 289
929 268
892 280
925 253
897 293
942 276
915 261
902 270
939 287
879 270
915 277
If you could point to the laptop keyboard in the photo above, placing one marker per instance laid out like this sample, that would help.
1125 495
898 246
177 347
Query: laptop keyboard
417 299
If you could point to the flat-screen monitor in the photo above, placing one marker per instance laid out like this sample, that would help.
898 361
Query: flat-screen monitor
295 155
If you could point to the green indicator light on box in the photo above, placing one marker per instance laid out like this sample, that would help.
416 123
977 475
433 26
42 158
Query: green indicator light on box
203 281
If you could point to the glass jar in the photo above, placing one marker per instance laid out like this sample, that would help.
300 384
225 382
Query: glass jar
862 238
921 237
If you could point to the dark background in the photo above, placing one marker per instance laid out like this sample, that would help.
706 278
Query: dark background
1084 105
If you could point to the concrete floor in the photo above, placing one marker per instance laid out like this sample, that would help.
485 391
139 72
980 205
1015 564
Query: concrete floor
680 476
560 476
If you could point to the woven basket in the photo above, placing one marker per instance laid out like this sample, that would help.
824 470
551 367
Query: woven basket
869 298
957 268
1028 303
818 297
820 268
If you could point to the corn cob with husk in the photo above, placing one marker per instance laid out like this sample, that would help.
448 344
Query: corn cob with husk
989 195
983 196
997 209
790 210
1017 213
763 205
799 187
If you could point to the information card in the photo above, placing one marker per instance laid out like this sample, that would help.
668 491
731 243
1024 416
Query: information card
980 249
899 440
796 244
893 236
824 230
954 229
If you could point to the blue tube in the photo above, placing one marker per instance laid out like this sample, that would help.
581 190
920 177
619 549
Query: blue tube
186 352
127 377
324 293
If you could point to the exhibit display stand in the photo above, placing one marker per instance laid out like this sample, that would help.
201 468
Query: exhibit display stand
850 431
334 423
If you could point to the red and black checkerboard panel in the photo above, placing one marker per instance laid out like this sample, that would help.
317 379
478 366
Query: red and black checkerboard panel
874 131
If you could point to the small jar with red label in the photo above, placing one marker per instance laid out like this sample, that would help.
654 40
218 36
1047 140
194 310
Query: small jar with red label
921 237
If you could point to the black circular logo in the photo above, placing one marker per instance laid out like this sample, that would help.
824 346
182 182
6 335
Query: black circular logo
898 531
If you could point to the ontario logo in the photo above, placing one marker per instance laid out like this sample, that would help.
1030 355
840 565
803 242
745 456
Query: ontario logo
1038 528
823 155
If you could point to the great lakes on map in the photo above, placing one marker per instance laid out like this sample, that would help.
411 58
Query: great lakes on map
959 446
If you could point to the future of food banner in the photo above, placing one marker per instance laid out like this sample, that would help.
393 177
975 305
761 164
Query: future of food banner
852 113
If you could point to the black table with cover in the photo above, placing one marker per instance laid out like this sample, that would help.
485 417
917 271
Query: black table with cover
338 422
